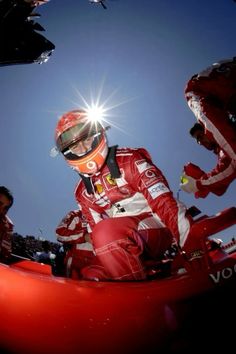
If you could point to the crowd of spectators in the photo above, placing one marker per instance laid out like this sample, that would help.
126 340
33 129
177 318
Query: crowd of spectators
36 249
28 246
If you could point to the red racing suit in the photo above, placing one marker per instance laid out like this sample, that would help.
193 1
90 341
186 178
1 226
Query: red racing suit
80 260
6 230
216 181
133 215
211 95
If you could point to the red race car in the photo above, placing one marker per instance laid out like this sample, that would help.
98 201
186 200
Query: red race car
182 308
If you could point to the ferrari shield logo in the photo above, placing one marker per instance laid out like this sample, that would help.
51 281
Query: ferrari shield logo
111 180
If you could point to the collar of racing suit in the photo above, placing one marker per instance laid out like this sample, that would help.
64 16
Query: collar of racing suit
112 166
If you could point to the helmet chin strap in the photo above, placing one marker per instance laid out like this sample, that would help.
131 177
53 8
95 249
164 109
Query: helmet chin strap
111 162
88 183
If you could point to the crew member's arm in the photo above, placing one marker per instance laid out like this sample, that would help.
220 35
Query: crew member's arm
216 181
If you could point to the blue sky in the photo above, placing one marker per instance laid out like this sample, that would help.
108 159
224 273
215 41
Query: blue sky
139 56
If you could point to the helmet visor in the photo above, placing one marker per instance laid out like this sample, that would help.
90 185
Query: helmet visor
82 147
79 132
